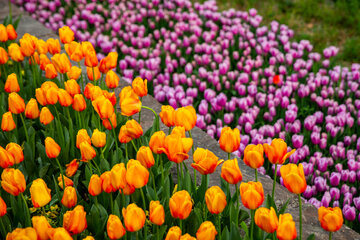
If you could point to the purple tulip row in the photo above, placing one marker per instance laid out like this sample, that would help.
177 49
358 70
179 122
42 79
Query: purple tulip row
236 72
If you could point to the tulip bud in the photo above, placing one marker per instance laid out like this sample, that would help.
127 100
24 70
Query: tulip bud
123 138
41 47
136 175
58 233
65 99
187 236
22 233
205 161
61 62
180 205
107 183
112 79
294 177
3 56
12 35
253 156
157 213
287 228
206 231
98 138
69 198
51 95
41 226
91 71
91 59
331 219
266 219
6 158
140 86
114 227
71 168
54 47
103 107
176 148
167 115
134 217
94 187
68 181
41 96
40 193
174 233
230 171
186 117
72 87
16 151
52 148
277 151
27 45
133 129
45 116
66 35
7 122
252 194
50 71
229 139
13 181
130 103
15 52
82 136
79 103
16 103
74 73
118 176
3 33
32 109
111 122
75 221
75 51
215 200
157 141
11 84
145 157
87 151
3 207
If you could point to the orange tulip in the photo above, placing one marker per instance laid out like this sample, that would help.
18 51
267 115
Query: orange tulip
69 198
61 63
157 213
42 47
111 96
7 122
44 61
230 171
109 62
53 46
114 227
187 236
65 99
266 219
145 157
58 234
127 190
157 141
87 46
3 33
277 151
13 181
74 50
294 178
12 35
45 116
134 217
27 45
111 121
11 84
130 103
94 187
87 151
205 161
118 176
252 194
136 174
176 148
229 139
40 193
206 231
96 92
103 107
50 71
89 238
3 56
287 228
253 156
16 151
75 221
16 103
178 131
91 59
107 183
215 200
123 138
74 73
15 52
331 219
98 138
174 233
68 181
186 117
51 95
41 96
140 86
133 129
180 205
47 85
22 233
52 148
72 87
167 115
79 103
32 109
82 136
112 79
71 168
66 35
6 158
35 60
3 207
41 226
91 71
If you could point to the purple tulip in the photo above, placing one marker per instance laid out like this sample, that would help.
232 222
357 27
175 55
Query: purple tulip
349 213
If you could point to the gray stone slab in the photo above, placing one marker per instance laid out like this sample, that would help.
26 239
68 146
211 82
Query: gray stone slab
4 10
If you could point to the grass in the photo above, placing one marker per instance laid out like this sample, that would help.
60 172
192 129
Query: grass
323 22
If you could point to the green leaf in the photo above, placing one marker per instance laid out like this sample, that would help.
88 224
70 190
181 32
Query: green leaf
200 193
225 235
97 219
233 214
186 183
311 237
283 208
234 232
245 228
243 215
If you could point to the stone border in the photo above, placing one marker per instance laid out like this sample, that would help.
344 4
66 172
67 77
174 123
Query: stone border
201 139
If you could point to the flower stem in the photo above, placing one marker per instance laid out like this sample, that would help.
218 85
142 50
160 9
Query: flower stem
112 203
229 156
140 112
274 184
134 145
154 185
115 138
178 175
82 80
237 196
256 175
300 217
219 225
180 224
192 150
3 230
330 235
61 172
144 206
252 224
27 221
25 129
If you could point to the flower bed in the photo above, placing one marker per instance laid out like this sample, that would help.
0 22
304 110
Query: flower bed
239 73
